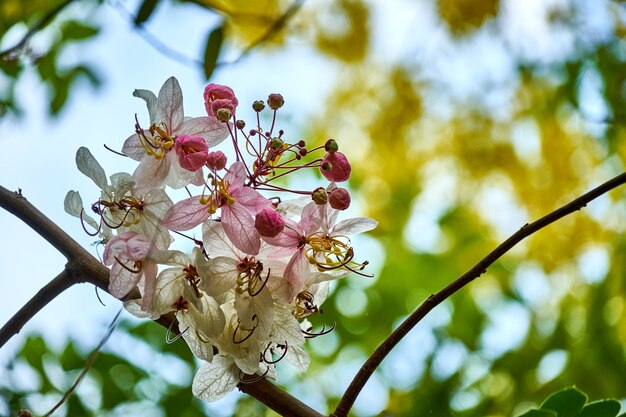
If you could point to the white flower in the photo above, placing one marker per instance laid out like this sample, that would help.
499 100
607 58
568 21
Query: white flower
153 147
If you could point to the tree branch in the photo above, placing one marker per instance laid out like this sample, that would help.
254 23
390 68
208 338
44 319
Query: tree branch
42 23
368 368
83 267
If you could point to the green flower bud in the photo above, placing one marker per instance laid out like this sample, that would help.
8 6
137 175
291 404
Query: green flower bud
331 146
223 115
276 143
319 196
258 106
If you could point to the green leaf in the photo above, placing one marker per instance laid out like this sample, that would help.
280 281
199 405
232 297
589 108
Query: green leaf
539 413
602 408
70 358
145 11
212 51
76 31
567 403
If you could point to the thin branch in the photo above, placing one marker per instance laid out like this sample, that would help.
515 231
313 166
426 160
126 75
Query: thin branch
83 267
42 23
177 56
90 361
55 287
368 368
276 27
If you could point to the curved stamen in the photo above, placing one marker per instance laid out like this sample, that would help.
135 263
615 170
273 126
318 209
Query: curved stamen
98 295
275 361
82 222
265 281
251 331
309 335
169 332
134 271
252 380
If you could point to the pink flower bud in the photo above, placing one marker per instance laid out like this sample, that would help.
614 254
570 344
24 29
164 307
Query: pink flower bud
268 222
191 151
339 167
219 96
339 199
216 160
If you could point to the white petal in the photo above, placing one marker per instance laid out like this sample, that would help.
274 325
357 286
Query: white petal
74 206
218 274
88 165
209 128
169 108
216 243
151 101
298 357
134 308
132 147
286 327
122 183
354 226
215 379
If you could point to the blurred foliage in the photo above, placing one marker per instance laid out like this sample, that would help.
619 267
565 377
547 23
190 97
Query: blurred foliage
449 169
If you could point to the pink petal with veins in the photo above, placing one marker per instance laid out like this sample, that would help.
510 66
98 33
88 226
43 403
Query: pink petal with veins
239 227
186 214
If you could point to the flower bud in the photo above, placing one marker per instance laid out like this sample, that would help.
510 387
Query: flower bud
331 146
223 114
303 151
218 96
258 106
216 160
269 223
319 196
339 199
276 143
191 151
275 101
301 143
335 167
241 124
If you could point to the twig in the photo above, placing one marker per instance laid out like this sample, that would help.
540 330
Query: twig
55 287
177 56
83 267
90 361
368 368
42 23
272 31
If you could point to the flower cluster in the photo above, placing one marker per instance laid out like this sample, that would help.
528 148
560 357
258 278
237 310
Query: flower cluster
262 266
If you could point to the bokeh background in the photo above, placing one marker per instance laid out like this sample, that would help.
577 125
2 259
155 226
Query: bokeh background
463 119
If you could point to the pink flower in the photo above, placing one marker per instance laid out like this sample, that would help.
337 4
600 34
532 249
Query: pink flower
268 222
339 199
128 253
192 152
216 160
238 204
335 167
218 97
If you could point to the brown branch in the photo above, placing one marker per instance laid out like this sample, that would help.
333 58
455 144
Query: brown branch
42 23
83 267
368 368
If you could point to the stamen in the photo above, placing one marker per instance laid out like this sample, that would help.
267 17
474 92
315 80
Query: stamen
275 361
310 335
254 318
252 380
138 265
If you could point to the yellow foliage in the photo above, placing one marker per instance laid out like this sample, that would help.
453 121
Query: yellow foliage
247 21
464 15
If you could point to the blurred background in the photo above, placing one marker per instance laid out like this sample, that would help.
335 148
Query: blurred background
463 120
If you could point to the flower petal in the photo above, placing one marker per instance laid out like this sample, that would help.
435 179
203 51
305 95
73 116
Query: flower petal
186 214
215 379
88 165
209 128
354 226
239 227
169 109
